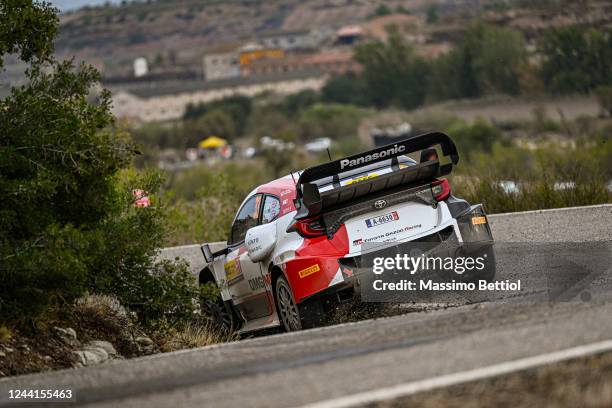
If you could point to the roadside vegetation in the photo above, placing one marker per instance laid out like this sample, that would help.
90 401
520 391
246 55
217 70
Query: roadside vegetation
69 226
532 164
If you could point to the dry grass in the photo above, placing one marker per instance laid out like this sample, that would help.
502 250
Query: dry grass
5 334
195 335
97 317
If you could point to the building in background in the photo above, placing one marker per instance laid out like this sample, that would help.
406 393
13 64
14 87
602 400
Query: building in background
141 68
349 35
332 62
289 40
252 52
221 63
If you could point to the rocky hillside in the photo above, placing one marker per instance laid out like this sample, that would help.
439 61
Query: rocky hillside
176 32
180 30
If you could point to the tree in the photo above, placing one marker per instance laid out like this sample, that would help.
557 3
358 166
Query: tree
432 14
348 89
392 73
67 219
488 60
382 10
237 108
27 29
214 123
498 55
293 104
576 59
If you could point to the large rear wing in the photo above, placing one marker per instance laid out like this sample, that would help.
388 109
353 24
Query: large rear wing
310 201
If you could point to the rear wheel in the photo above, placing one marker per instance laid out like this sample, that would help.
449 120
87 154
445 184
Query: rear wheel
288 311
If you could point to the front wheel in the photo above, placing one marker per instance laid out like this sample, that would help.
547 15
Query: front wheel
288 311
218 312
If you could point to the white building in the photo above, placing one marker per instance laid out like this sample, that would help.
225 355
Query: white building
221 63
141 68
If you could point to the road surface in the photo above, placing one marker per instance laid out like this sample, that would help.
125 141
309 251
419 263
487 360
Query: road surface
328 365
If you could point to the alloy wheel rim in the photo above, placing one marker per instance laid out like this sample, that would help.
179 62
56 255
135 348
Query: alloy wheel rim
288 309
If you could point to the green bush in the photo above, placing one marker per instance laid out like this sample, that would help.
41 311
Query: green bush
487 60
68 223
393 74
576 59
544 176
476 136
533 194
604 97
330 120
349 88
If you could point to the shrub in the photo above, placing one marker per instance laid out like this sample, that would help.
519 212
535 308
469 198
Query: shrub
576 59
476 136
604 97
68 223
533 194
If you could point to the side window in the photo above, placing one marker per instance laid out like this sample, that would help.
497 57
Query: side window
247 218
271 209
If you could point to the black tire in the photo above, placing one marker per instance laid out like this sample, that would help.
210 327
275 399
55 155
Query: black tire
288 311
219 313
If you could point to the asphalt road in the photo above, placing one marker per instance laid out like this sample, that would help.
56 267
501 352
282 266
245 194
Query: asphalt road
347 359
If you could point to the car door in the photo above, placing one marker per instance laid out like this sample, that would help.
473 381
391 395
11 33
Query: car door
244 277
270 212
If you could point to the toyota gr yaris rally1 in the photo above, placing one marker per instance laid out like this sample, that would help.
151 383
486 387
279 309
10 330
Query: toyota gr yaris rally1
296 242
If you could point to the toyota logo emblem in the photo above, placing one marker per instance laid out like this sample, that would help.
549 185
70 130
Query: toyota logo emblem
380 204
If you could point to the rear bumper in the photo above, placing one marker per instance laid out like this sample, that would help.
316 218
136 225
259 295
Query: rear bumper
468 234
469 237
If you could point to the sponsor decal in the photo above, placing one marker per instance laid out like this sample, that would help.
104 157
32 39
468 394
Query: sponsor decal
390 236
358 242
309 271
479 220
232 271
362 178
257 283
393 151
383 219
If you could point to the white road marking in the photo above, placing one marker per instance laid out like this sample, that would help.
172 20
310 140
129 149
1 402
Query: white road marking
401 390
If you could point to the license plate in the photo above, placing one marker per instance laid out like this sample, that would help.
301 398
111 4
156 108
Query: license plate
383 219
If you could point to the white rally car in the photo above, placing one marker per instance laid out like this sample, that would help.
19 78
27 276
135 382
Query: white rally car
296 241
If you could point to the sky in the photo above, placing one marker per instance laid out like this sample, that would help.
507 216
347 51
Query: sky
66 5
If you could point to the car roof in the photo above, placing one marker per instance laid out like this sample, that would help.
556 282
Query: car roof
278 186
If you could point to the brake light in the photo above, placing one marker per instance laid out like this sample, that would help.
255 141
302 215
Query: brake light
309 228
440 189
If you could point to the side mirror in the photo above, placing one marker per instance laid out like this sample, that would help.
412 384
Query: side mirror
260 241
208 256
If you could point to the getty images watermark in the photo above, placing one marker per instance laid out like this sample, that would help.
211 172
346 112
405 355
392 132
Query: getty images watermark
460 266
459 272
